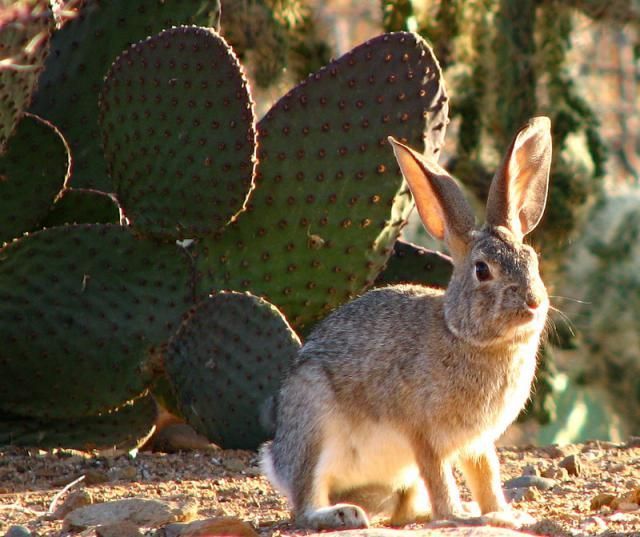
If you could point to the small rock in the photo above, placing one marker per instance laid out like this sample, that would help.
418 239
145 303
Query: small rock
530 469
234 464
95 477
627 507
617 468
601 500
559 474
75 500
119 529
126 473
179 437
572 464
622 517
149 513
515 494
221 526
17 531
553 451
527 481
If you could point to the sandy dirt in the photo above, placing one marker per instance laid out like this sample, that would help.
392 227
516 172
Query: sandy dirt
229 483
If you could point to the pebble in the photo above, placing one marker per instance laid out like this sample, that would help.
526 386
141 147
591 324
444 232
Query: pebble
75 500
126 473
234 464
530 469
559 474
601 500
524 494
179 437
17 531
572 464
527 481
96 477
228 526
149 513
553 451
627 507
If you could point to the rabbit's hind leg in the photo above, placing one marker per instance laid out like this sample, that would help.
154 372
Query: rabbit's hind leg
314 509
412 504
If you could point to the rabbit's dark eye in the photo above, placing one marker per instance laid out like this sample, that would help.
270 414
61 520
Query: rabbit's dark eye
483 273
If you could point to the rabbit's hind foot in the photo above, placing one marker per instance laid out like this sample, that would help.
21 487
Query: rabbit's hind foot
341 516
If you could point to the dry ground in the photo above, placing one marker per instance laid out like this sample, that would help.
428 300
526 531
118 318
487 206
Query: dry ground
229 483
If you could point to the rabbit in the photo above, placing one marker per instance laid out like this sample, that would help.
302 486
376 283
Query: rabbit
393 388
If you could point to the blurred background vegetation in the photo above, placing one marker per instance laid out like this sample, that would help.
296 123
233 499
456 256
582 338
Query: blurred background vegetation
504 61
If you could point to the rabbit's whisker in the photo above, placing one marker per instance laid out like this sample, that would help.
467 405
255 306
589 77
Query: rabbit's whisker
576 300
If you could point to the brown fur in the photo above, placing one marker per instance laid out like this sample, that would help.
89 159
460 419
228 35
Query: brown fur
396 386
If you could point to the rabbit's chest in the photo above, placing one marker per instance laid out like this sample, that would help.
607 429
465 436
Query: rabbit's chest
494 398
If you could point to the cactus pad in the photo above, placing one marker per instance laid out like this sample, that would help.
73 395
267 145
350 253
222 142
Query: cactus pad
25 29
410 263
82 51
226 359
80 309
179 134
32 172
126 428
329 199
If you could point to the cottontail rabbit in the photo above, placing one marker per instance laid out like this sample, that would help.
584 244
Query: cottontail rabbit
396 386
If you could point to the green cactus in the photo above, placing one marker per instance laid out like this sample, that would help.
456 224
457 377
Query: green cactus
25 28
81 206
82 306
410 263
178 133
126 428
86 310
329 199
226 359
83 49
33 170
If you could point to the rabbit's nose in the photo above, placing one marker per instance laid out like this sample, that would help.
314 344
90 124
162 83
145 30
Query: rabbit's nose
532 300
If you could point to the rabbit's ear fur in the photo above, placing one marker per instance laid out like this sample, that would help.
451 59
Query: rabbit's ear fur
518 192
444 211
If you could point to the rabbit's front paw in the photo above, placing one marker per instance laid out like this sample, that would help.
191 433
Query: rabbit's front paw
339 516
508 518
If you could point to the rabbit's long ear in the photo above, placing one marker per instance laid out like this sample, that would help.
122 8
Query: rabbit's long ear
518 191
444 211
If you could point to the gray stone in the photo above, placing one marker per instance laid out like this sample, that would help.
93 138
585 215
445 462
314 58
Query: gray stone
141 512
527 481
17 531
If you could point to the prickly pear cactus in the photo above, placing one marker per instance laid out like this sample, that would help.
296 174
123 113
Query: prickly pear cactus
82 206
411 263
329 199
226 359
33 171
178 133
85 310
82 306
125 428
25 29
82 51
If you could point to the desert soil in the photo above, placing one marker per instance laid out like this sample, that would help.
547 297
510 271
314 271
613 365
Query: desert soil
229 483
